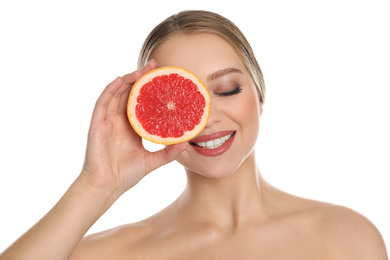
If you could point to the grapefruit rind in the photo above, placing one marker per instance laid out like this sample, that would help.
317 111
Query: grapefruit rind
147 77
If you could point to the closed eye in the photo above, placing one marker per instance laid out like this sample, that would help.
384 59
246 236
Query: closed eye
235 91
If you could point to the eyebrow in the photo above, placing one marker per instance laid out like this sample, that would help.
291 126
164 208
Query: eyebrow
223 72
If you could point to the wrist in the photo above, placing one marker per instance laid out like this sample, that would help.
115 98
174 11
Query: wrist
98 182
97 188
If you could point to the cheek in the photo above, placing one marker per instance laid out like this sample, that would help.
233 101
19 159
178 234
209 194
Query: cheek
242 112
247 111
249 120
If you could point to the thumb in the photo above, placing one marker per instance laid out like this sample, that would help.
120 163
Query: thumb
164 156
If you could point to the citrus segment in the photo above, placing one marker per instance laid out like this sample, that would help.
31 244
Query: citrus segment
168 105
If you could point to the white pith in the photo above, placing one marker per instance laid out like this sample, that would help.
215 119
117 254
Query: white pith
212 144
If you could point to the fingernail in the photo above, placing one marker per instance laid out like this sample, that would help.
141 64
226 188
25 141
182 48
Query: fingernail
149 62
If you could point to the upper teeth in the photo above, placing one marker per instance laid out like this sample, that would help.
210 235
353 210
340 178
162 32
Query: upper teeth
212 144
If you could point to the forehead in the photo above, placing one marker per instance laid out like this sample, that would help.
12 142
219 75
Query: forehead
201 53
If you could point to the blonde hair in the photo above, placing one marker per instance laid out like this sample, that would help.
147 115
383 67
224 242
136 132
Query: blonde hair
204 21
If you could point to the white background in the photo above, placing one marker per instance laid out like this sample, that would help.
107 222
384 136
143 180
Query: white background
324 132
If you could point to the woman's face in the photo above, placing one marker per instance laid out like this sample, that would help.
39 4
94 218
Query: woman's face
235 107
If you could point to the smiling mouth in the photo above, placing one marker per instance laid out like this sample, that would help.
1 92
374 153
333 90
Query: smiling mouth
215 143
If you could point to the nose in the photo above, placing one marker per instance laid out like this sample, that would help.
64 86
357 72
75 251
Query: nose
215 115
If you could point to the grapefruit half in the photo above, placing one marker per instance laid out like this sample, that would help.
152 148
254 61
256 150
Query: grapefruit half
168 105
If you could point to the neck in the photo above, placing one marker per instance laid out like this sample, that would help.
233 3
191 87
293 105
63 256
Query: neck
227 202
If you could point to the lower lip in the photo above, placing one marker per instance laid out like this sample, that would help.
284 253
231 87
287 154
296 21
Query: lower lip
216 151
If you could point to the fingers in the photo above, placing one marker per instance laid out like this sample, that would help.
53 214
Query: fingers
114 98
119 99
169 153
128 81
100 111
152 64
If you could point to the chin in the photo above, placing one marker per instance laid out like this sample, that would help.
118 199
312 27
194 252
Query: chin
211 167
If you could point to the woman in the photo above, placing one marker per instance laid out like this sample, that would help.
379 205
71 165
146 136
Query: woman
227 210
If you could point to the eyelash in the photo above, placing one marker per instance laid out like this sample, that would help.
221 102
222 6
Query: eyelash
235 91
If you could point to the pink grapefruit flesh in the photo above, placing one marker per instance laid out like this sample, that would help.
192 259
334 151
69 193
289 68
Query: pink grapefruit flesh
168 105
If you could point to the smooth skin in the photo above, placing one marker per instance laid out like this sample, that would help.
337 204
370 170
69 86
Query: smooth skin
227 210
115 161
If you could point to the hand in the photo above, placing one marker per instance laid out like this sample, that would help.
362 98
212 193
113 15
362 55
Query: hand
115 158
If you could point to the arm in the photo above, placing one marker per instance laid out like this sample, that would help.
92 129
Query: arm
59 231
115 161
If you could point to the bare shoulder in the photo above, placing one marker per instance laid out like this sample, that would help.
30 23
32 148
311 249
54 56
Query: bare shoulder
117 243
332 230
348 234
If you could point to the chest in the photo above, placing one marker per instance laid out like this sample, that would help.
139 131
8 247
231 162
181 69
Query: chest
279 245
